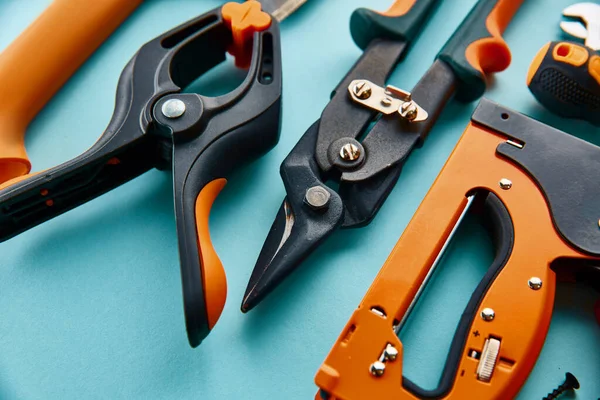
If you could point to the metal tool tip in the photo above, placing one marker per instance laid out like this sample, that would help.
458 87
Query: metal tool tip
248 303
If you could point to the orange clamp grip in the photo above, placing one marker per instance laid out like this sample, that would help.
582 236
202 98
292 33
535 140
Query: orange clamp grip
214 281
41 60
244 19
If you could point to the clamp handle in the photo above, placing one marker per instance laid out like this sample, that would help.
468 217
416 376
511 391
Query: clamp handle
402 22
198 181
203 144
476 48
41 60
565 78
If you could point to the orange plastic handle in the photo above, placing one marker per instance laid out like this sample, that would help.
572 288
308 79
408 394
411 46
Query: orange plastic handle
214 282
492 54
41 60
522 315
244 19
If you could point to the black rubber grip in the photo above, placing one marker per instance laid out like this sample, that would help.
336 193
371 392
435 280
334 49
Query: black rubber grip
367 25
567 89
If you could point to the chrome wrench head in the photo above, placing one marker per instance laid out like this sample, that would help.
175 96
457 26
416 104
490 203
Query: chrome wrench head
588 26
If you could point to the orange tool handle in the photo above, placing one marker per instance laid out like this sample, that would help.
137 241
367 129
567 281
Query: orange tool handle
213 294
476 48
522 312
41 60
565 78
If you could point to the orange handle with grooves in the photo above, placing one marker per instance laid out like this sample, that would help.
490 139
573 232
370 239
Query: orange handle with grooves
41 60
476 48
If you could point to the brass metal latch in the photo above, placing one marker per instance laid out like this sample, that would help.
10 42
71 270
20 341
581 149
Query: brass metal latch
386 100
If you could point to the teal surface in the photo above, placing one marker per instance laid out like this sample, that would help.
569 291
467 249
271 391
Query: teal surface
90 302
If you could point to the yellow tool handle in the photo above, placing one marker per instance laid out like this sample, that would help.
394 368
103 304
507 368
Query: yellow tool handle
565 78
41 60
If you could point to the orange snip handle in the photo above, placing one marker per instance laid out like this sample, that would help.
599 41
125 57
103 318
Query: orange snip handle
476 48
41 60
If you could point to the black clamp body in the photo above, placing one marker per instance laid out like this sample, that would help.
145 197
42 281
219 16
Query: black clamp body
155 125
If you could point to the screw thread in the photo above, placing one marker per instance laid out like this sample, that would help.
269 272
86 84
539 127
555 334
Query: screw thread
555 393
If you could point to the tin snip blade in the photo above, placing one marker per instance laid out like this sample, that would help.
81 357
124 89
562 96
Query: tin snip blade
368 170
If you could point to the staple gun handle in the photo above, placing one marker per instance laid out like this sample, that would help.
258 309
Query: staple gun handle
476 48
402 22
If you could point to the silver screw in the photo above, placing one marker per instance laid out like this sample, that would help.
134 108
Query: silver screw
386 102
363 90
488 314
390 353
173 108
377 368
408 110
349 152
535 283
317 197
505 184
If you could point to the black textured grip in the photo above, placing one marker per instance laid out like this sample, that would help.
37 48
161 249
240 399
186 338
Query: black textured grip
367 25
566 89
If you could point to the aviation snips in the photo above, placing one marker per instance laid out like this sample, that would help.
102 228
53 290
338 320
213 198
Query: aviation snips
368 170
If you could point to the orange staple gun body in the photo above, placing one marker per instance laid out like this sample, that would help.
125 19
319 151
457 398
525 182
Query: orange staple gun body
536 189
41 60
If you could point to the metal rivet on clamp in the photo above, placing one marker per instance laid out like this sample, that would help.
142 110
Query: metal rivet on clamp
173 108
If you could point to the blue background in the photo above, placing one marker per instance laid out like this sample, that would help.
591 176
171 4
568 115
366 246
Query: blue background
90 302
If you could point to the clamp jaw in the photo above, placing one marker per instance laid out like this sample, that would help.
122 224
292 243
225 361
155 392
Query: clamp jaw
155 125
540 208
